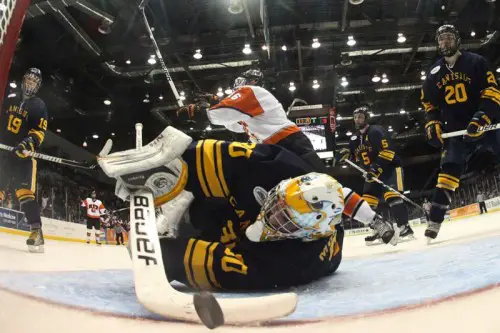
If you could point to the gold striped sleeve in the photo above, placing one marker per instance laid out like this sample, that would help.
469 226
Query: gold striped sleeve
389 195
220 169
491 93
370 200
39 135
199 167
386 154
198 264
210 169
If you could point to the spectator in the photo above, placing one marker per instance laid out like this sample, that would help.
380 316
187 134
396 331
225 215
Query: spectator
482 205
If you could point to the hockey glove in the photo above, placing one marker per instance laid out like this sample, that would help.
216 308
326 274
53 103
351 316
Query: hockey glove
27 144
478 121
191 109
433 132
342 155
374 172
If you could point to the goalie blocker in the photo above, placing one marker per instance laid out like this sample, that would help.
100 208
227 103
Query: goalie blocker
255 227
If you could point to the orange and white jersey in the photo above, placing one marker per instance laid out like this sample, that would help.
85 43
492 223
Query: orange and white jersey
95 208
257 112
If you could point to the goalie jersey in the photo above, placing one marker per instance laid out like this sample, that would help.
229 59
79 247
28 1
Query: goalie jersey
453 94
228 181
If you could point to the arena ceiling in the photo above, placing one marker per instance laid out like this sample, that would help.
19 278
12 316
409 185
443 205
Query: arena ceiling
95 50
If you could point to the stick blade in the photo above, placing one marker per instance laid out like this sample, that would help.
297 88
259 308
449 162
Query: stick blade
208 309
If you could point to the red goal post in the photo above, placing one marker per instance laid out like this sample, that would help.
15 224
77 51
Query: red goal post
12 14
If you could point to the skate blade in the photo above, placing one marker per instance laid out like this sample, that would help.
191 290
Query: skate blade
407 239
36 248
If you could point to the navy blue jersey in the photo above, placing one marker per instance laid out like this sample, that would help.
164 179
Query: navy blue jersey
453 95
373 147
20 119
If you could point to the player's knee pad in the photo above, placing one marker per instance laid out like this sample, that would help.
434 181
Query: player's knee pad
24 195
31 211
371 200
398 209
440 204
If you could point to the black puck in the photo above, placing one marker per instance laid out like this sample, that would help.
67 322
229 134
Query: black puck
208 309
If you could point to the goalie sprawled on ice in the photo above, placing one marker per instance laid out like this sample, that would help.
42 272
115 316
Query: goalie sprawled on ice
276 223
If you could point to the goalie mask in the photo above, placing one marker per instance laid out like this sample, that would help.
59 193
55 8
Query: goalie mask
251 77
448 39
306 207
32 81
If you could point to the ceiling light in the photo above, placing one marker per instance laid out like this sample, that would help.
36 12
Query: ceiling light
84 143
105 27
151 61
315 84
498 69
401 38
376 78
390 129
339 117
472 33
406 127
209 128
128 62
235 7
344 166
95 136
219 92
146 99
160 97
351 41
315 43
197 54
13 85
384 78
349 133
247 49
345 61
58 130
336 135
190 128
264 47
420 109
443 7
292 86
402 111
182 96
344 82
107 102
422 75
284 48
113 134
228 91
11 95
372 114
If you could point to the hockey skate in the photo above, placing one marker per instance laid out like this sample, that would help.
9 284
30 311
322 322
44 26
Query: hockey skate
35 242
406 233
432 231
383 231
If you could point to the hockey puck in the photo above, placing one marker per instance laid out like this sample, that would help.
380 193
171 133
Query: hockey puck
208 310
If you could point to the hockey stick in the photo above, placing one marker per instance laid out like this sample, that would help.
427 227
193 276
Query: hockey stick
59 160
142 5
486 128
383 184
295 101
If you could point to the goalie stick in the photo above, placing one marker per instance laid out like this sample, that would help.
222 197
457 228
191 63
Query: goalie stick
154 291
53 159
383 184
486 128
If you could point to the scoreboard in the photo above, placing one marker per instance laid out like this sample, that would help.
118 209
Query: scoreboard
311 121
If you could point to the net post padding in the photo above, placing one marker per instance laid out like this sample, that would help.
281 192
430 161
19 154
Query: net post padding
11 21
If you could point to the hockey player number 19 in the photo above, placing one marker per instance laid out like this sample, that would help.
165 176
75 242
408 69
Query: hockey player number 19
455 94
14 124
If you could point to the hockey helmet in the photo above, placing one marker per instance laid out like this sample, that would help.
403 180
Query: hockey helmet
306 207
251 77
358 122
32 81
448 39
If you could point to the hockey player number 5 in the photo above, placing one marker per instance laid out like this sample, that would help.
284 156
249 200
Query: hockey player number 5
14 124
455 94
366 159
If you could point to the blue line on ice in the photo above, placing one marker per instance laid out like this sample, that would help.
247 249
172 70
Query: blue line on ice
361 285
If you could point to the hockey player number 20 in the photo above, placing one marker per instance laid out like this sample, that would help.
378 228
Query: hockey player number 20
455 94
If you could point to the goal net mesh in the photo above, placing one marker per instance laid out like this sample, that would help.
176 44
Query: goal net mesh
11 19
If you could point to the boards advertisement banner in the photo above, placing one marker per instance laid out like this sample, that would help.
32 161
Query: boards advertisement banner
10 218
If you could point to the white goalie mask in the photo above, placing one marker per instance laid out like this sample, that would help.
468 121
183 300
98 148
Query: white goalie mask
306 207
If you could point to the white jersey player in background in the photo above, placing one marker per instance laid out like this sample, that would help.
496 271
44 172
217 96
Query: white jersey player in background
253 110
94 209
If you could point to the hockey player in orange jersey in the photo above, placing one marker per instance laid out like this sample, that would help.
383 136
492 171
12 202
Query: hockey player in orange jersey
254 110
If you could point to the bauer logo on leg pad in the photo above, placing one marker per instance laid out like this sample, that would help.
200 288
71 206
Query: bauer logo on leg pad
143 243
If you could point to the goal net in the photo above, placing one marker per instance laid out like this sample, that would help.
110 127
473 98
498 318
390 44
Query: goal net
11 19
